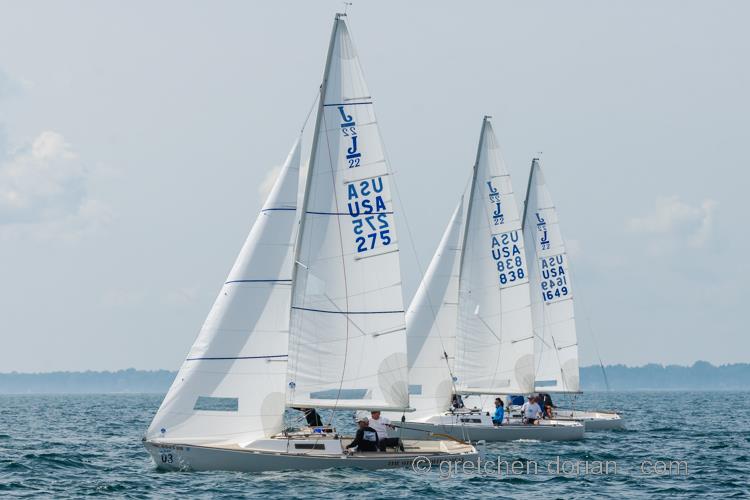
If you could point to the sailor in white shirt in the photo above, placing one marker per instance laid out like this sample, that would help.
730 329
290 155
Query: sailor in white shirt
531 410
382 425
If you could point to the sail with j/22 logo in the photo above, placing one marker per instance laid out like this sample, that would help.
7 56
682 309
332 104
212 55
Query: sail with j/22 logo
494 338
551 292
347 342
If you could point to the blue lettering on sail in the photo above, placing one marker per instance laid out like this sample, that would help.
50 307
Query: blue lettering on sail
369 214
352 151
349 129
541 226
507 253
553 279
346 119
494 197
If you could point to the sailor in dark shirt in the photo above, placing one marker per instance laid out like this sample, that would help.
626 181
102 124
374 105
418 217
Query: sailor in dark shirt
312 417
457 402
366 438
545 401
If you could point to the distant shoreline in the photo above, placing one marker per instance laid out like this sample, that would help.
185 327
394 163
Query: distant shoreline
701 376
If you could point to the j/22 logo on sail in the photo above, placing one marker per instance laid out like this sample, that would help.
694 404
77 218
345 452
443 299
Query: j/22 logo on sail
494 197
541 226
349 130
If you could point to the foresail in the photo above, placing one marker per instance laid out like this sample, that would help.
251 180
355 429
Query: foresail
431 325
494 344
347 331
551 293
231 386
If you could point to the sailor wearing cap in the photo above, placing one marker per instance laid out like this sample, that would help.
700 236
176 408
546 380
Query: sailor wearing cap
366 438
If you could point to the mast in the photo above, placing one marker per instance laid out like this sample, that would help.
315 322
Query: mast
313 149
471 193
534 162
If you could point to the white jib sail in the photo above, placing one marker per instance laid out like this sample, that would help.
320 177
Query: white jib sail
551 292
431 325
347 333
230 389
494 339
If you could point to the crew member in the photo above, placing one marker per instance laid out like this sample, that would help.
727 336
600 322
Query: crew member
366 438
381 425
531 411
497 418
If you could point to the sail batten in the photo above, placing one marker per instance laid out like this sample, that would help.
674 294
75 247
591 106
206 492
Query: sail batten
556 362
346 290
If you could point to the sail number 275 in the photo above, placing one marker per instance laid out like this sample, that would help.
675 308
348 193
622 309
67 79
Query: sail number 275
369 215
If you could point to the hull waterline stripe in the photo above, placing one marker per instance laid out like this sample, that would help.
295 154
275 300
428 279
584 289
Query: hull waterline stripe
238 357
258 281
345 312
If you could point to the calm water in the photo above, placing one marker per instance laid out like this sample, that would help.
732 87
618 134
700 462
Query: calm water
85 445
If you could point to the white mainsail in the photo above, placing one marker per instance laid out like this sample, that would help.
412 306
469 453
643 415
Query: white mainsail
551 292
431 325
231 386
494 338
347 343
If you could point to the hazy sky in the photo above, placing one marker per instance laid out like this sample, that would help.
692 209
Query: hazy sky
135 138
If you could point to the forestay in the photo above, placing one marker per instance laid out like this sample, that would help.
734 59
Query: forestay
230 388
551 292
431 325
347 331
494 344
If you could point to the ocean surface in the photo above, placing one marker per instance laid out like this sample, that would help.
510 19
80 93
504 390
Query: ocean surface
677 444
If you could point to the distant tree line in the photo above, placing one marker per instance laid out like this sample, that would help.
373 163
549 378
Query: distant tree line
700 376
128 381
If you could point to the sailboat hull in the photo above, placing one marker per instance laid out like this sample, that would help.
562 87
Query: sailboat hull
592 420
260 457
480 428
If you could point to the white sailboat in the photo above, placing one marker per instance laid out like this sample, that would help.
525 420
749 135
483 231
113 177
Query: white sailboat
556 350
469 325
314 320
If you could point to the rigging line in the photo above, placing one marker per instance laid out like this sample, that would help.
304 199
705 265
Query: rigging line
312 107
481 320
563 378
592 335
